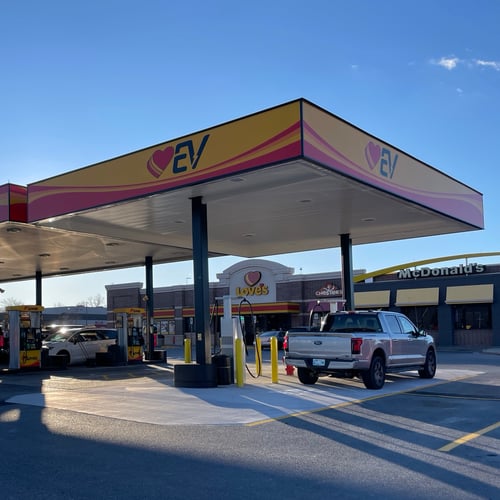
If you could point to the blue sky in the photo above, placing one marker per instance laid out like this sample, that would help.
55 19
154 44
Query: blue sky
85 81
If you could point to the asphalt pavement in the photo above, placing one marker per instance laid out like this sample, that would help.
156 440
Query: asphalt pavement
146 392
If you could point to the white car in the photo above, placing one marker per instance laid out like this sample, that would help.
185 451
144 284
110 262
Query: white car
265 338
79 345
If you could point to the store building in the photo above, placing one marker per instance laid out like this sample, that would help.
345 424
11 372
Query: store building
457 304
74 315
269 295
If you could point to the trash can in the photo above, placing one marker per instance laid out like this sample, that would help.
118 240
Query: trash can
225 370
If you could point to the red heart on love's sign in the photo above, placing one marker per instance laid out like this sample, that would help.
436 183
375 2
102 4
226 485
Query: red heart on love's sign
252 278
159 161
372 154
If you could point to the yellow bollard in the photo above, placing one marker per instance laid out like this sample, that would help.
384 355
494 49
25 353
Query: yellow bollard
238 344
274 360
258 356
187 350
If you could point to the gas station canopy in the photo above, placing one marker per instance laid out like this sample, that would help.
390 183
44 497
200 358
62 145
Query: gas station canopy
288 179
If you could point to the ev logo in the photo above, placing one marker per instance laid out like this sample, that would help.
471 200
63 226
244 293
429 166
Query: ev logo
375 155
185 156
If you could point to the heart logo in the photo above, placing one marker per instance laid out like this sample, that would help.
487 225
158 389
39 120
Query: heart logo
159 161
372 154
252 278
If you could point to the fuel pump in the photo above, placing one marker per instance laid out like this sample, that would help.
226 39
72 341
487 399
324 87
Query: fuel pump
232 342
25 336
129 323
235 338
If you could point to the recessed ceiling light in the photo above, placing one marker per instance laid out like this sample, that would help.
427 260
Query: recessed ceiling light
368 219
305 200
249 235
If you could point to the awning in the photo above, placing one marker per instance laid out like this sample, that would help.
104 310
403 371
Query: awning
417 297
258 308
329 305
164 313
268 308
469 294
379 298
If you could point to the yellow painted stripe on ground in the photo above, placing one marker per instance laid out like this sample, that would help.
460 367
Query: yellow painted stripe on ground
468 437
343 404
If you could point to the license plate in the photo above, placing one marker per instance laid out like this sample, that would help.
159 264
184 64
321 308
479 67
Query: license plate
318 362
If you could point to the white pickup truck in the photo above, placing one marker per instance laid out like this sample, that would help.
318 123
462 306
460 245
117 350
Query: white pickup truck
365 344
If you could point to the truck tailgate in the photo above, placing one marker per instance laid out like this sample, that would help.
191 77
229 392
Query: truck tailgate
319 345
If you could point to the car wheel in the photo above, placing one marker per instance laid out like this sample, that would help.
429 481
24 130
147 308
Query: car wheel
66 355
306 376
374 377
429 368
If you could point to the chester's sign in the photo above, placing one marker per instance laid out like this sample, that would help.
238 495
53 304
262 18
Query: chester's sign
427 272
329 290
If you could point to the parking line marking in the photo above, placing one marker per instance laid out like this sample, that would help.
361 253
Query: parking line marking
468 437
355 401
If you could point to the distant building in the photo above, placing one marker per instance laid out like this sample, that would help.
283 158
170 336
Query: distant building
74 315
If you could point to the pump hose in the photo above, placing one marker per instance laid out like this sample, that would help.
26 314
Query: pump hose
243 331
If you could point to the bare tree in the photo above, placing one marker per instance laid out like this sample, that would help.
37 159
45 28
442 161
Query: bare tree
11 301
95 301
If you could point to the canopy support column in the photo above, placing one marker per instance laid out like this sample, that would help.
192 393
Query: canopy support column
150 307
347 271
201 281
38 288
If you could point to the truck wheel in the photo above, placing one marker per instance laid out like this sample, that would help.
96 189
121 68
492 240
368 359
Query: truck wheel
306 376
374 377
429 368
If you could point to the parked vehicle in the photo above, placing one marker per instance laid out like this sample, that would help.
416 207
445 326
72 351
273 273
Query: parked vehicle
80 345
365 344
296 329
50 329
265 338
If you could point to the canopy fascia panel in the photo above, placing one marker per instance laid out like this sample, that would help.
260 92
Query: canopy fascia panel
344 148
294 130
239 146
13 203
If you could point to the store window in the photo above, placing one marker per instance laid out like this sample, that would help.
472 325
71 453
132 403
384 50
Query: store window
188 324
424 317
472 316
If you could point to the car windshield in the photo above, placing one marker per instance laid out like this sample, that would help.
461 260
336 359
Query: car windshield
60 336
